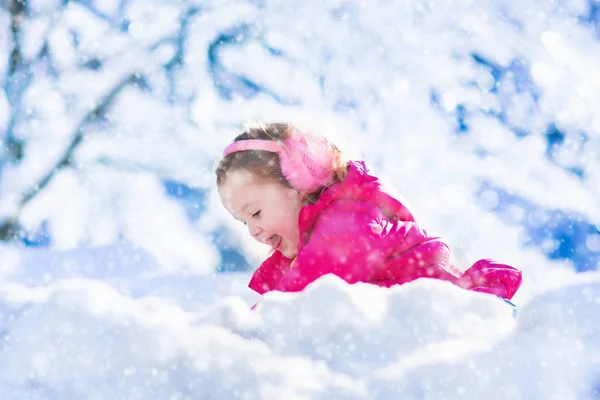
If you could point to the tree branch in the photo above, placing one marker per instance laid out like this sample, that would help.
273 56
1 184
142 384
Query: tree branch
9 228
17 12
14 146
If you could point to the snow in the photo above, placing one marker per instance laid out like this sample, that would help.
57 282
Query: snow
452 103
144 338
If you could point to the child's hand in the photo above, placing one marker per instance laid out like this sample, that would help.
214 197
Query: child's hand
488 276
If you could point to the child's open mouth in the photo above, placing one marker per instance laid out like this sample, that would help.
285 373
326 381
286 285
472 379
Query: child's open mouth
275 242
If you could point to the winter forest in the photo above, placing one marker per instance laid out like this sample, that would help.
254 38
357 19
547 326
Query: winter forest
123 277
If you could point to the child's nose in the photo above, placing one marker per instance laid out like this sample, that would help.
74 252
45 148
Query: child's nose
254 231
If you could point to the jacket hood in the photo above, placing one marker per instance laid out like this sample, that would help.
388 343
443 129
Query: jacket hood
359 185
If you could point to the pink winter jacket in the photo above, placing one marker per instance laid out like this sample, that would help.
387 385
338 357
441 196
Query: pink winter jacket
361 234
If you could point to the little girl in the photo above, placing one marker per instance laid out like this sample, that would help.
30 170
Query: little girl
323 216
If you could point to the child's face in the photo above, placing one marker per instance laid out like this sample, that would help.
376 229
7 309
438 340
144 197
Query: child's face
269 210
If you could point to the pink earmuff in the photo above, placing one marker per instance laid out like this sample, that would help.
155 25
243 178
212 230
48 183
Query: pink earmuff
307 162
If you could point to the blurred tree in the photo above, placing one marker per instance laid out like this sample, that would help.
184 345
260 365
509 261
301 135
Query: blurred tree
112 112
91 131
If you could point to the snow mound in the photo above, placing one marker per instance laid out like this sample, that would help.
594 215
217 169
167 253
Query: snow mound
82 338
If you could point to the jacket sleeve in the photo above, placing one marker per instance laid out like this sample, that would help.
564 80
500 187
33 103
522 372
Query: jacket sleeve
350 241
269 273
491 277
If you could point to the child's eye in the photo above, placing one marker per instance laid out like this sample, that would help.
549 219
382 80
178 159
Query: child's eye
256 214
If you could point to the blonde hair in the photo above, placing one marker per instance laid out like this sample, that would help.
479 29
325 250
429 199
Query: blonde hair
264 165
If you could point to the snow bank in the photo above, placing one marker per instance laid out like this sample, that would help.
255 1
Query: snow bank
82 338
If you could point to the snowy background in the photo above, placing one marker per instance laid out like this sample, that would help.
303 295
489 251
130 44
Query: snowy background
121 276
